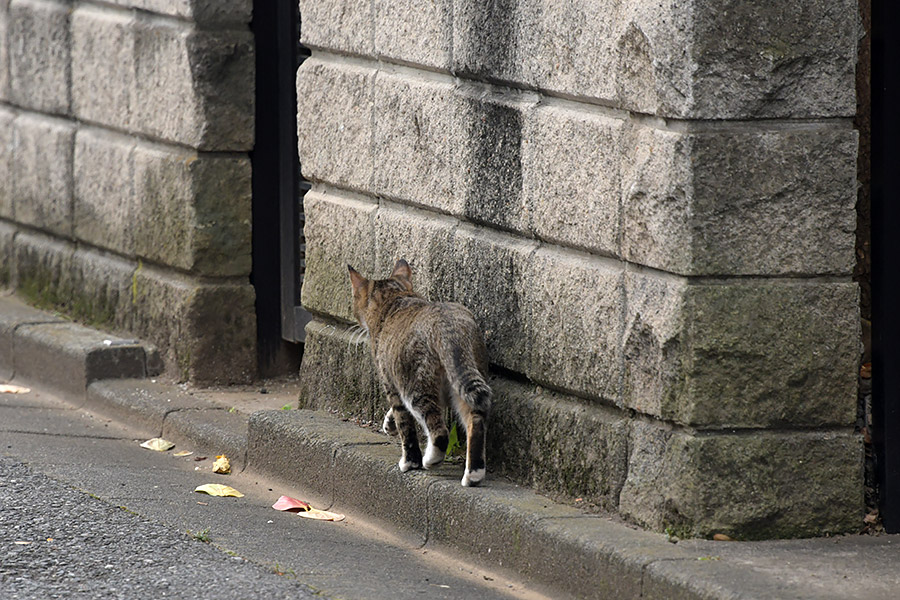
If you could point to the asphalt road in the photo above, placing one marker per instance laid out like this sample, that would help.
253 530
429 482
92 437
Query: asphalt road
85 512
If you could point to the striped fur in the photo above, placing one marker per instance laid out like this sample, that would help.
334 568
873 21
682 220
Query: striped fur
428 355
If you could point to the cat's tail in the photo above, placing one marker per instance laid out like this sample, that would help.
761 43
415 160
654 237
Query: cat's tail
467 380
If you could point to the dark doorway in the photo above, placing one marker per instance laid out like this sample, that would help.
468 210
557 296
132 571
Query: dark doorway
885 260
277 188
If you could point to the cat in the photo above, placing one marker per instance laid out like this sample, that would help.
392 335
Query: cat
427 355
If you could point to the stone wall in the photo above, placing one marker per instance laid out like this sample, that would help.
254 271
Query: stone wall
648 205
125 192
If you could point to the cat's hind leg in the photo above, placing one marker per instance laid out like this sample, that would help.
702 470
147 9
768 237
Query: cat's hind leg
475 420
475 449
411 457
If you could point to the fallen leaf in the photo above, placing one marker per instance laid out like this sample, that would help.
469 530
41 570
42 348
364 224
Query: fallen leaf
322 515
222 465
158 444
871 518
865 371
199 458
721 537
288 503
13 389
183 453
217 489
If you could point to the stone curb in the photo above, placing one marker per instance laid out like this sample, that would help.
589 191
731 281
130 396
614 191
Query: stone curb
64 356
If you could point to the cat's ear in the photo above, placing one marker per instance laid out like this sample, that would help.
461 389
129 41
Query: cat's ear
402 272
356 280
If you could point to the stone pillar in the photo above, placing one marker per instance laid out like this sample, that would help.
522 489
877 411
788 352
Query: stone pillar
126 189
650 208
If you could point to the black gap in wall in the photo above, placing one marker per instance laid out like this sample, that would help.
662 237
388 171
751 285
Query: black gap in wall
276 198
885 196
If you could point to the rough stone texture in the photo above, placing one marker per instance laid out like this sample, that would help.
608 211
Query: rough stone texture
43 270
413 32
206 12
42 172
756 486
104 67
4 54
753 354
94 287
776 353
203 77
556 443
654 342
488 275
344 25
7 253
573 324
712 61
522 297
694 203
334 122
337 373
574 203
326 282
102 290
39 61
656 192
633 55
106 206
192 210
173 82
419 139
609 188
803 212
774 60
453 148
7 147
206 331
492 156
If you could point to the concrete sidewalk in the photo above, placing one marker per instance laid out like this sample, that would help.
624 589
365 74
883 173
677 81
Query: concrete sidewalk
500 524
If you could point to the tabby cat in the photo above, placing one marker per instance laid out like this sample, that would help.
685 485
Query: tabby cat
427 355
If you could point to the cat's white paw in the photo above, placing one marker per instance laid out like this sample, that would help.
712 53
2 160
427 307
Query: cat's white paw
406 465
472 478
433 456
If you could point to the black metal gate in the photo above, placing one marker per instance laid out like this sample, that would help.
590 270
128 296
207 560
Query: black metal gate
278 189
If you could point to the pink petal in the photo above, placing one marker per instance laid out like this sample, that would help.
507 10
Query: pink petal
288 503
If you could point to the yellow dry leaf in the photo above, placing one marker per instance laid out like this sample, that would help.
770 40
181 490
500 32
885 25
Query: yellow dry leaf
222 465
321 515
218 489
13 389
183 453
158 444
